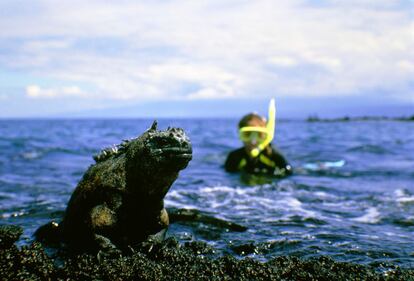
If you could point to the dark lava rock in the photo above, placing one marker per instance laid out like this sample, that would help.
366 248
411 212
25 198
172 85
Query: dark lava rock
120 200
245 249
194 216
9 234
168 260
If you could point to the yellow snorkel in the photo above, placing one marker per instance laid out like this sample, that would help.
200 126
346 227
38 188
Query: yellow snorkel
269 130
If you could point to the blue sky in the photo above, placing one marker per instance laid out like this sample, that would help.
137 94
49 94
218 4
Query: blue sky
205 58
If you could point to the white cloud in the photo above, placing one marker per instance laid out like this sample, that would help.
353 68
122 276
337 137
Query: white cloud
283 61
46 44
218 92
209 49
407 67
34 91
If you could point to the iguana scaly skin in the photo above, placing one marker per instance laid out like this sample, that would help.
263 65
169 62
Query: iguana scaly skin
119 202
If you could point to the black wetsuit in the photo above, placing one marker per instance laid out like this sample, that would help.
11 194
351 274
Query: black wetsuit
272 163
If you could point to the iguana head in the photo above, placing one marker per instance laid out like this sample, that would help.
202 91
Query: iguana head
154 159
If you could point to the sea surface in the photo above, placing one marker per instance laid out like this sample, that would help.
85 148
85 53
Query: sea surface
351 196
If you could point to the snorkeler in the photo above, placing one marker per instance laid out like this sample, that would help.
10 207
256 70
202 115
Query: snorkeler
257 156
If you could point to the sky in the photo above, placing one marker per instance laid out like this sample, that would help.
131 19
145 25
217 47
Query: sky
210 58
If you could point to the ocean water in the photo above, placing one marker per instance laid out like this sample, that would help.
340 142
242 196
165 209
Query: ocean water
351 195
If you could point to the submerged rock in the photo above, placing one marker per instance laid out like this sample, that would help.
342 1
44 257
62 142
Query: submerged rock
119 201
196 216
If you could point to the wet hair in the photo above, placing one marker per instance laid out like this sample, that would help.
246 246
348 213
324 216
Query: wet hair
251 116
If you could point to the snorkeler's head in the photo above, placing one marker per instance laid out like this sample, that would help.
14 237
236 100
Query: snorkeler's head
252 130
255 132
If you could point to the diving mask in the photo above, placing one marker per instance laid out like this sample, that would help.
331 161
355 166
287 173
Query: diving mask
252 134
262 136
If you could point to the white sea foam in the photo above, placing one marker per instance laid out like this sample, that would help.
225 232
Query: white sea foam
409 199
393 234
226 189
175 204
324 195
293 203
14 214
400 192
174 194
372 216
260 202
219 205
30 155
403 196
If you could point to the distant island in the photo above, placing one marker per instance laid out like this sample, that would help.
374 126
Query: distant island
315 118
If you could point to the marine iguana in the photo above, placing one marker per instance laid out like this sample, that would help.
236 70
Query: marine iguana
119 201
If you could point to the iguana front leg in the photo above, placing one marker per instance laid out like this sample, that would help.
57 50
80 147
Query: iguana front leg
163 222
102 221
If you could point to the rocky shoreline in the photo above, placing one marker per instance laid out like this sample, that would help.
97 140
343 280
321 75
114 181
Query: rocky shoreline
171 260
